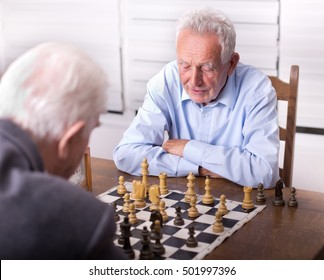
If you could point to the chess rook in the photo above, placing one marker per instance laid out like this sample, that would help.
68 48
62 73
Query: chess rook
247 204
163 186
139 194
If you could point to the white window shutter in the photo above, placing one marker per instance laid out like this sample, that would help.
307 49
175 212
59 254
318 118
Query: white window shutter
92 25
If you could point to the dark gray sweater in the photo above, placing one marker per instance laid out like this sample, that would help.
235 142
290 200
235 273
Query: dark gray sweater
44 216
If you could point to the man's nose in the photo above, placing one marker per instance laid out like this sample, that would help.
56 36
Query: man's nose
196 76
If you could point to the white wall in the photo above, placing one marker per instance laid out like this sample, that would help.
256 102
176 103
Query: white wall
308 163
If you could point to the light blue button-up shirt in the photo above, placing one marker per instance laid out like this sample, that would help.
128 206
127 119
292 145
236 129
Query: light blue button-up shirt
236 136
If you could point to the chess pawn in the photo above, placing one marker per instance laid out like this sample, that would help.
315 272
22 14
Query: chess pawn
218 225
155 215
156 235
116 216
292 200
163 187
222 207
247 204
132 216
146 251
191 241
207 198
178 220
126 203
260 198
191 187
193 212
164 214
121 189
156 232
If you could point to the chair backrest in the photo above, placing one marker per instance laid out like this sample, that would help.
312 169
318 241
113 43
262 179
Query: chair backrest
288 91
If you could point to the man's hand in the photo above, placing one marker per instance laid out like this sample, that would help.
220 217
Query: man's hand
205 172
175 146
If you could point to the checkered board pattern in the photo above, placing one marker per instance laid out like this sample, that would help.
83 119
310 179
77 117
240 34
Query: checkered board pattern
174 237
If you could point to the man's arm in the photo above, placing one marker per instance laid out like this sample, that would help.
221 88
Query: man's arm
176 147
253 163
144 139
141 142
256 161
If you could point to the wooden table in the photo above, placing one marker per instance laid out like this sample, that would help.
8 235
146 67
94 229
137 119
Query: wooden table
278 232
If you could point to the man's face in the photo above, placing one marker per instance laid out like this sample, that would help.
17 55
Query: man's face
202 73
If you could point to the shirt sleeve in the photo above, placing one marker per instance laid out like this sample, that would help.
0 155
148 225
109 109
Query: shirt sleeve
146 134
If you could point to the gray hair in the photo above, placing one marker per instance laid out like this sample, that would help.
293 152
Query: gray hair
50 87
207 20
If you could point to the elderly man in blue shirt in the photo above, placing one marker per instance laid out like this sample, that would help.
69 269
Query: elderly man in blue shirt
206 112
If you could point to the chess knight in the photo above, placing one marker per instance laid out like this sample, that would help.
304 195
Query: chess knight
154 197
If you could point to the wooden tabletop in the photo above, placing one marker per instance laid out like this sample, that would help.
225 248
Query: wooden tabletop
278 232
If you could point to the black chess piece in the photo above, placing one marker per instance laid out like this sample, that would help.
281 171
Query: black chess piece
191 241
156 215
116 216
156 235
146 251
156 232
292 200
120 239
260 198
278 200
178 220
126 234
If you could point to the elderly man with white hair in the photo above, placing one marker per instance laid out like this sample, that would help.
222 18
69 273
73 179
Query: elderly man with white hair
219 115
50 101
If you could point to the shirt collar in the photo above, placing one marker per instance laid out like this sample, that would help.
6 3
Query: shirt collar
228 95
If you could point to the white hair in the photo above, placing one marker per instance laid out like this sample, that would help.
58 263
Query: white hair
50 87
207 20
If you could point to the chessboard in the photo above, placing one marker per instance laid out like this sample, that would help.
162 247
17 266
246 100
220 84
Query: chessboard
174 237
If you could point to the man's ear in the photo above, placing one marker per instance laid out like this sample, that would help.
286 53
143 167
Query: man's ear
233 62
70 136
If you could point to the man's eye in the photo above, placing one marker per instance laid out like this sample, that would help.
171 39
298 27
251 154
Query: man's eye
185 66
207 68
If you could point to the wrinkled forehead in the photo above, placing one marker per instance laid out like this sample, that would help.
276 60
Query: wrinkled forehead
194 46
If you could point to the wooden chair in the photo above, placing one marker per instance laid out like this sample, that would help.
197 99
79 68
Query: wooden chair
288 91
87 183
